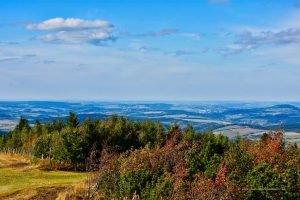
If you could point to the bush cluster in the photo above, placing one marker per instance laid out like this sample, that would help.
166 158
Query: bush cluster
208 166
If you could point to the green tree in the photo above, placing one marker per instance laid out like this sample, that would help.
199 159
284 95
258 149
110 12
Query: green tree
161 135
72 120
189 133
37 128
23 124
2 142
68 146
42 146
262 178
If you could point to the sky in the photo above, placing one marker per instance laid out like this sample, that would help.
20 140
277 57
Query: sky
168 50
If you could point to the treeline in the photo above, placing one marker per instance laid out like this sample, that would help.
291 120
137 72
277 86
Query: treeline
68 143
144 160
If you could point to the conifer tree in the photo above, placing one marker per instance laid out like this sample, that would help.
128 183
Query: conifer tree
72 120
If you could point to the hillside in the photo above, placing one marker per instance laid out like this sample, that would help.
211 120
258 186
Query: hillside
22 180
141 159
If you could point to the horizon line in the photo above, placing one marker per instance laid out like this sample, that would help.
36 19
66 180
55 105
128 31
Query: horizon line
147 100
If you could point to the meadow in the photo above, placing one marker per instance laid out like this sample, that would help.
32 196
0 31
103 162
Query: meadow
21 180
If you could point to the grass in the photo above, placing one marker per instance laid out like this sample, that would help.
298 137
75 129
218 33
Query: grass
19 178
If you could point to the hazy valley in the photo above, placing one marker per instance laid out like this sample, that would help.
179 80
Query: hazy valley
248 119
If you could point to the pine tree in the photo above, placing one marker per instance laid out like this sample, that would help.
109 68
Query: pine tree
72 120
59 124
37 128
23 123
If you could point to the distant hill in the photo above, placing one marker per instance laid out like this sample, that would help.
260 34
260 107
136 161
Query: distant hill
286 106
202 115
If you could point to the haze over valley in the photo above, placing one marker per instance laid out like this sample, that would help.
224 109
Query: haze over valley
247 119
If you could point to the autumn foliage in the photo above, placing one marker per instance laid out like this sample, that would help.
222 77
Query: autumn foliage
205 167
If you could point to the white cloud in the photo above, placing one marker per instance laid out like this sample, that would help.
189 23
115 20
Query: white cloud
193 36
70 24
75 31
3 59
256 38
75 37
283 33
233 49
160 33
287 36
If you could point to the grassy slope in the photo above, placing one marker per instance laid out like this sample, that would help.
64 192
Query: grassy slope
17 176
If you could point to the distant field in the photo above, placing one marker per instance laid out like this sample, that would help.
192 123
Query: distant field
252 133
20 180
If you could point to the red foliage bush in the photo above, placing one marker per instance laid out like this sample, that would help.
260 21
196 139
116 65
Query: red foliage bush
168 175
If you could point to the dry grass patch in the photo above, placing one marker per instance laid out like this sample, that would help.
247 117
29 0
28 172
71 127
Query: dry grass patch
21 179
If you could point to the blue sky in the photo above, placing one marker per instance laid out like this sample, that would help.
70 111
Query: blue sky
150 50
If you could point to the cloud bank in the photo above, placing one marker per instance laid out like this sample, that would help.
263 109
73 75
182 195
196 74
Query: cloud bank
77 31
70 24
74 31
287 36
250 40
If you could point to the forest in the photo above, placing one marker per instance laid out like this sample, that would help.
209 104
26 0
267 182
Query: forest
145 160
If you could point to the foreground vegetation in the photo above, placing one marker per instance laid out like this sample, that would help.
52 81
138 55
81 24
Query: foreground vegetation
144 160
22 180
